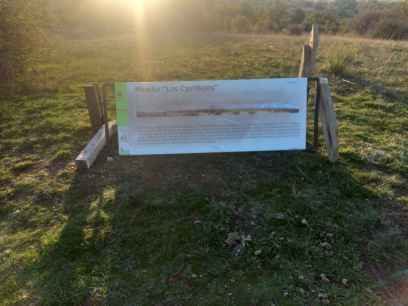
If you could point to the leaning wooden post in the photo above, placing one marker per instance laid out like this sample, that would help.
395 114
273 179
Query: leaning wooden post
328 119
93 104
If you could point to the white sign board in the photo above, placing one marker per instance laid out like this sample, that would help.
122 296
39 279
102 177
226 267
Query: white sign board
211 116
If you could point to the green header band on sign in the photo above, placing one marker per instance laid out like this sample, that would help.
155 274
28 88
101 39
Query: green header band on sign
122 104
122 118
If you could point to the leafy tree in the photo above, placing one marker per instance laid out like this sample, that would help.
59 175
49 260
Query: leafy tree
327 20
241 24
248 10
346 8
297 16
391 28
404 5
278 15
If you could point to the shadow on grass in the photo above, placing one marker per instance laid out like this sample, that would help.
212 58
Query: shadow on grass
237 229
377 88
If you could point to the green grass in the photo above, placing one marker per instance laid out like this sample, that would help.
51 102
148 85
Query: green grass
154 230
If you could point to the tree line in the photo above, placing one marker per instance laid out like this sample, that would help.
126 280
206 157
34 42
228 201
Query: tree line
26 26
376 18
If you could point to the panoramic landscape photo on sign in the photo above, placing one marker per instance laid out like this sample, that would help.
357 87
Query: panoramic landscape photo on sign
211 116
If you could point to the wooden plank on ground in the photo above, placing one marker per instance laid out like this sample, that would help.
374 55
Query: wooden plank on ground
328 119
88 156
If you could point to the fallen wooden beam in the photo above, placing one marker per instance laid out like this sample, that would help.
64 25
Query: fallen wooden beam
88 155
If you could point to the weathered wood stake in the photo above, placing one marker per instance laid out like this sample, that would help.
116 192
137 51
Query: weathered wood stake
328 119
306 65
309 54
104 108
316 116
315 37
314 44
93 104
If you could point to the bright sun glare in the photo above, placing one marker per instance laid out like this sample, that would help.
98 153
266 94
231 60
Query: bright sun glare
139 5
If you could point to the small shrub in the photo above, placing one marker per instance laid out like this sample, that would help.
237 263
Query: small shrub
23 166
327 20
240 24
296 29
385 24
338 61
391 28
261 26
365 22
62 155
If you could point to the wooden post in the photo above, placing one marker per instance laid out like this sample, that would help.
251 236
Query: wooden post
306 65
104 108
314 44
328 119
323 99
309 54
316 116
94 110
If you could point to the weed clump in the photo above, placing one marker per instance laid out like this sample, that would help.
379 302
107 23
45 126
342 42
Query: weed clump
62 155
23 166
339 61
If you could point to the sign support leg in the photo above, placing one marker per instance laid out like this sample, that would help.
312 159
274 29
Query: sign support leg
316 116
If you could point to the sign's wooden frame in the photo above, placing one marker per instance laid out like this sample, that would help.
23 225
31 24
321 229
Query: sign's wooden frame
324 106
324 111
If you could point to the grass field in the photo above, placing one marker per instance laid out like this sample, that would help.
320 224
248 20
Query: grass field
225 229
